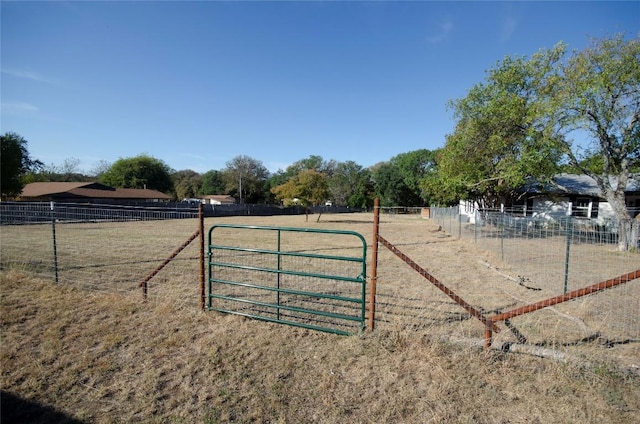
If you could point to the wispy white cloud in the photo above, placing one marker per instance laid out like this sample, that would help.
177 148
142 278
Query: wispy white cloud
442 32
28 74
509 26
18 107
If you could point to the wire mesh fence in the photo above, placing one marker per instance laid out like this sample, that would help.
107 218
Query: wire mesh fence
100 247
21 213
556 257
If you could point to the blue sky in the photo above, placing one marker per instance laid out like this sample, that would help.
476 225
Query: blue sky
197 83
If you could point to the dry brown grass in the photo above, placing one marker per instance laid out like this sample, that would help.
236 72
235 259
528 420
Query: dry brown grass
108 358
101 355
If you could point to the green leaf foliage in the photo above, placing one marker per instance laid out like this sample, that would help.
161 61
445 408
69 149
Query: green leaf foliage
600 95
351 185
309 187
139 172
186 184
502 135
246 178
212 183
398 182
15 163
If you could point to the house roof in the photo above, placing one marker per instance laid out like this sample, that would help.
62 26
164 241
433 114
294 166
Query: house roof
51 188
581 184
87 190
140 193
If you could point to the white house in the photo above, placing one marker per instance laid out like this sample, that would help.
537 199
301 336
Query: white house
571 195
219 199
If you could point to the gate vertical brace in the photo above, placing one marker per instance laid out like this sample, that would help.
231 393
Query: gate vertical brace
374 263
201 228
278 276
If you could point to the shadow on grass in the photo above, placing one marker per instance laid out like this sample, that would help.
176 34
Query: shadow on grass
17 410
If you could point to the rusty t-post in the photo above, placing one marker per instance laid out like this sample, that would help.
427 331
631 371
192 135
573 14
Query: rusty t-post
164 263
374 263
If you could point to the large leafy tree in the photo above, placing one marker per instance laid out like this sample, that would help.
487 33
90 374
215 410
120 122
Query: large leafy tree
246 179
389 186
275 179
598 92
397 182
309 188
414 167
186 183
529 115
142 171
15 163
501 137
212 183
351 185
313 162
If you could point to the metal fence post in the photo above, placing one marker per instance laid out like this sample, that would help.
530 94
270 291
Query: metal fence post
201 229
567 253
475 226
502 235
55 246
374 263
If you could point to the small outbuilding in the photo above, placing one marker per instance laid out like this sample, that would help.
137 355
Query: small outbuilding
219 199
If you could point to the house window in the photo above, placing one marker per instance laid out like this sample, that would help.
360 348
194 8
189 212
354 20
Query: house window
522 207
518 207
634 207
529 210
580 207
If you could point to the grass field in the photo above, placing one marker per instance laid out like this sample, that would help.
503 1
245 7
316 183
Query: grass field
91 351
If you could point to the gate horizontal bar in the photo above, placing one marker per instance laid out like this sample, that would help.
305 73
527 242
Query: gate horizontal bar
287 291
287 322
287 272
290 253
287 308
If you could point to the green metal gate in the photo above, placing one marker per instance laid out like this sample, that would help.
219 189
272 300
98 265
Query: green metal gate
306 277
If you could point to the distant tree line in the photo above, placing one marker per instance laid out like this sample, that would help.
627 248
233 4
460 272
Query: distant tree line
310 181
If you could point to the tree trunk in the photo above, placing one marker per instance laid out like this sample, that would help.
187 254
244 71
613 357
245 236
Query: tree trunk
625 228
635 233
